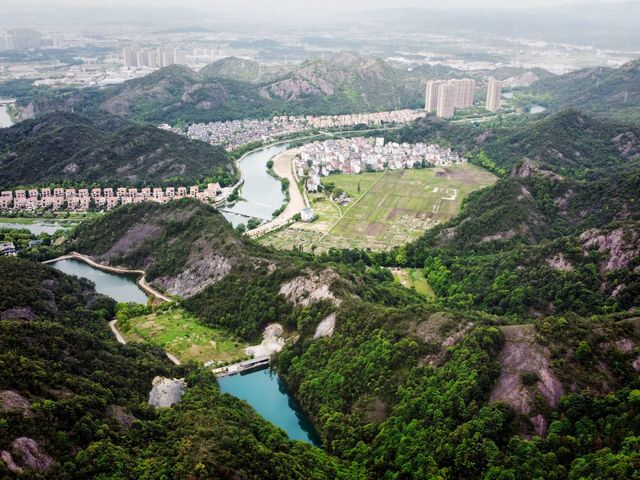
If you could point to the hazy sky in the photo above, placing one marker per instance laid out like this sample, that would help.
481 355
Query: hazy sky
316 4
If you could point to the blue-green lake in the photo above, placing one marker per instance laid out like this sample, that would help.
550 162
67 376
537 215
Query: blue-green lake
120 287
265 392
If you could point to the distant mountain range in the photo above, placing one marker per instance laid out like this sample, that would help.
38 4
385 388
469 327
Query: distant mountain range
235 88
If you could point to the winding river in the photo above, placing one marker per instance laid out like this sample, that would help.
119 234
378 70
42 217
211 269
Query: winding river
261 193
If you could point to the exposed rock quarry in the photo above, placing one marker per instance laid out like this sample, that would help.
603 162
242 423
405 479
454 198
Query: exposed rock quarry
166 391
522 354
622 247
11 401
272 342
326 327
313 287
26 454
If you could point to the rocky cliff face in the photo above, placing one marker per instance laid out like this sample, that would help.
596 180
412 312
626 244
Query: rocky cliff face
166 392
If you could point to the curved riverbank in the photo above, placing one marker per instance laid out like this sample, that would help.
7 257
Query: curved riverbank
141 281
283 167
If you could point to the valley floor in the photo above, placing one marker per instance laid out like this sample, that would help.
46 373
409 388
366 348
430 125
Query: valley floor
388 208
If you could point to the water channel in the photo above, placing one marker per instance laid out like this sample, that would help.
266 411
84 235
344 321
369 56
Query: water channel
36 227
261 193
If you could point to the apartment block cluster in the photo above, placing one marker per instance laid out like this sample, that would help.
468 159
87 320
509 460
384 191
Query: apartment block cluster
20 39
134 57
233 134
444 97
104 198
353 156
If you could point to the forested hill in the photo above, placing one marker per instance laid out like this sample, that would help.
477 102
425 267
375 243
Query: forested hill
73 402
569 143
400 387
104 149
612 93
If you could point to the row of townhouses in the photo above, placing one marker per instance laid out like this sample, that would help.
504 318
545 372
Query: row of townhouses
108 198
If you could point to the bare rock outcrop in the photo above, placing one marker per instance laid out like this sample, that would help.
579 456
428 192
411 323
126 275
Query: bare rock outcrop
521 354
11 401
622 246
18 313
310 288
443 330
166 391
272 342
202 272
636 364
506 235
26 454
558 262
326 327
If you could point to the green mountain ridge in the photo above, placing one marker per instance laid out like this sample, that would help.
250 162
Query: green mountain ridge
569 143
85 149
612 93
234 88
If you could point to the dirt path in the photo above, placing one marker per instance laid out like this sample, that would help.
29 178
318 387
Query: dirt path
116 332
342 215
114 328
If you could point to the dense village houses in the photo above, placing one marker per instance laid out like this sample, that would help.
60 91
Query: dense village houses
233 134
353 156
107 198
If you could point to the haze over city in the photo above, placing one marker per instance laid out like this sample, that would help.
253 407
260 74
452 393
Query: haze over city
328 240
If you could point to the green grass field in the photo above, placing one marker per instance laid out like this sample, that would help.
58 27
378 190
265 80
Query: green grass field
181 334
413 278
388 208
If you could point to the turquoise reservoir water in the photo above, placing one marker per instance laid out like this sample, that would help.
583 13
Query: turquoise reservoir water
265 392
122 288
